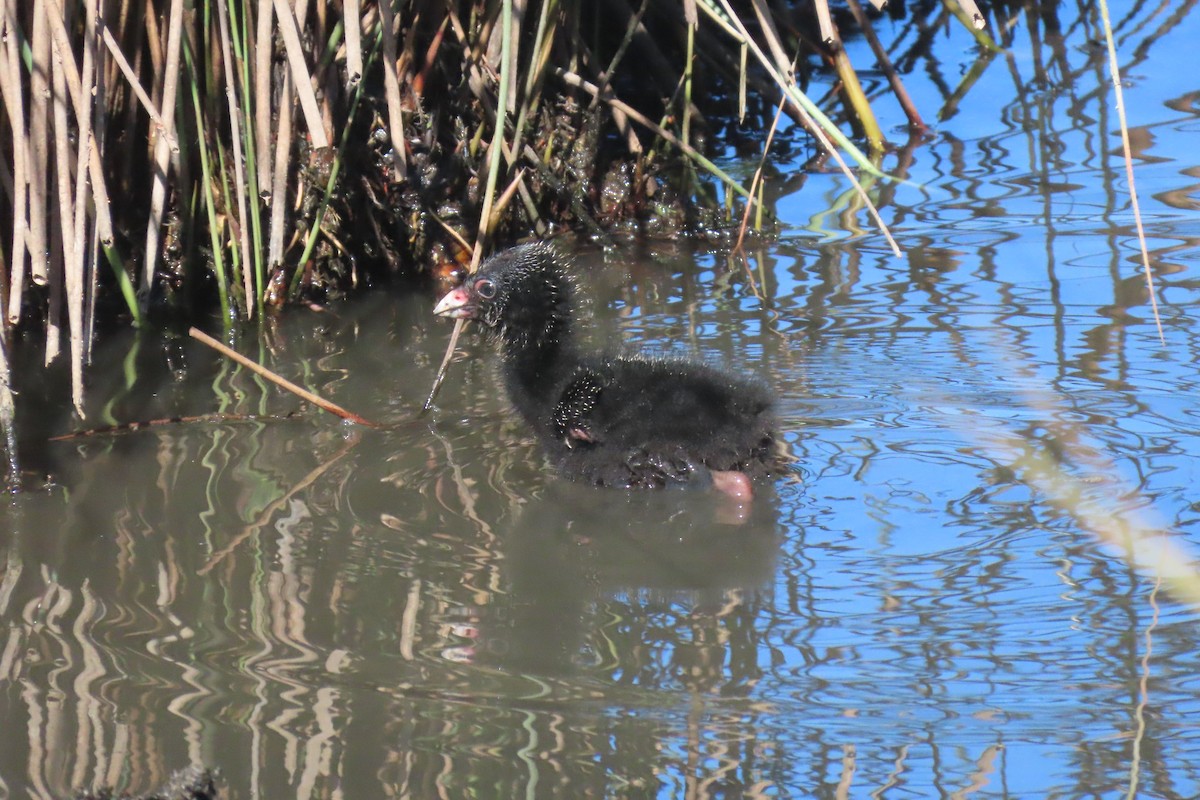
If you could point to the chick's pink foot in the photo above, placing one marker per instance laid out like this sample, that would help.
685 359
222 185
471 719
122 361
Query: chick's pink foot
733 483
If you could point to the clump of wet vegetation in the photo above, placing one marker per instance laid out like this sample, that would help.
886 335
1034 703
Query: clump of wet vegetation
192 783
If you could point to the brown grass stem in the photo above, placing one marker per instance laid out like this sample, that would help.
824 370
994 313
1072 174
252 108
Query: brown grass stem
279 380
974 19
829 35
440 376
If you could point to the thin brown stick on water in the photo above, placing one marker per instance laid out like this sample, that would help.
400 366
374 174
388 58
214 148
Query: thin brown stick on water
159 422
279 380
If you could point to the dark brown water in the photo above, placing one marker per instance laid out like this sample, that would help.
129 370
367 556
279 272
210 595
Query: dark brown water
425 611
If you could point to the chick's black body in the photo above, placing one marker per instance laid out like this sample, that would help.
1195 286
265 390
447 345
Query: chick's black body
620 421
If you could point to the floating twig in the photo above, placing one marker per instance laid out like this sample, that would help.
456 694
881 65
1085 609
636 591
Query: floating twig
279 380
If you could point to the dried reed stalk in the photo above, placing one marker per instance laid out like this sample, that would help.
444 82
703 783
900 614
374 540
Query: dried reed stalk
39 138
78 263
114 48
15 106
64 221
391 90
975 18
262 100
279 176
64 55
829 35
289 24
162 154
854 92
352 17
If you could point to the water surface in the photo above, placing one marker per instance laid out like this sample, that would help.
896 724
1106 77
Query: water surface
425 611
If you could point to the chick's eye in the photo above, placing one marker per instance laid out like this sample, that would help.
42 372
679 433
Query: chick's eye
485 288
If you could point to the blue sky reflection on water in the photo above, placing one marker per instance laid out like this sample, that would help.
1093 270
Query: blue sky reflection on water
962 615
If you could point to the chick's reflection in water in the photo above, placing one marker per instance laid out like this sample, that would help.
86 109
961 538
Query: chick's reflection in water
615 583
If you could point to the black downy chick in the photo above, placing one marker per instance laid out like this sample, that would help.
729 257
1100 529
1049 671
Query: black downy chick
620 421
